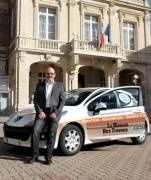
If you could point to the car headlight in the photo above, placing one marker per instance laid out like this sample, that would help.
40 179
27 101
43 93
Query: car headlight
18 118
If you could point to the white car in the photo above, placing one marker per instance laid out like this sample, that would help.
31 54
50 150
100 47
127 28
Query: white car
90 115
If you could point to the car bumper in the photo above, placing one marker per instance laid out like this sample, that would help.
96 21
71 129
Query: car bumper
21 136
19 133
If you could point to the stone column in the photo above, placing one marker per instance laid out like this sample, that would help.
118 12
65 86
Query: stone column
112 79
71 18
121 29
108 80
147 28
23 81
116 79
65 79
35 18
73 77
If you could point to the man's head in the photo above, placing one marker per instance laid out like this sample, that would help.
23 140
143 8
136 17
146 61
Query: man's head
50 74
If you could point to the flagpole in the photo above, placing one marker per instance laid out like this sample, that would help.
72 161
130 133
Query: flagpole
110 30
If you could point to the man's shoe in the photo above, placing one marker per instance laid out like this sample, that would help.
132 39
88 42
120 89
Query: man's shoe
48 161
33 159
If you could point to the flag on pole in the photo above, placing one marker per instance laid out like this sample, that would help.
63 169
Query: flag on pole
108 33
102 36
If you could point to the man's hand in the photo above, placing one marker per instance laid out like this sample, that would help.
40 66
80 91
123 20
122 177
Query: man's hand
42 115
53 116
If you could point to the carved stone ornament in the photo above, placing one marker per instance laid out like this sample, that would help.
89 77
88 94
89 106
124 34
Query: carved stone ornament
71 2
35 2
60 3
48 57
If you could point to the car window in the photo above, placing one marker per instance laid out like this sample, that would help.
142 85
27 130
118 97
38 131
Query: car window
109 99
126 99
74 98
134 92
96 94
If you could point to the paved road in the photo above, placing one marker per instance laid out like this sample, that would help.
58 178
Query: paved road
119 160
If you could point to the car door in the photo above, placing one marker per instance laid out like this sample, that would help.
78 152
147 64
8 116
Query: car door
132 109
100 121
116 120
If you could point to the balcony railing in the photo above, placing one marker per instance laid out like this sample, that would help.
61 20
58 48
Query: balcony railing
136 2
130 54
40 45
141 56
78 47
91 48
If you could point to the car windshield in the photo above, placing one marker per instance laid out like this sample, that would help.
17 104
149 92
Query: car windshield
75 97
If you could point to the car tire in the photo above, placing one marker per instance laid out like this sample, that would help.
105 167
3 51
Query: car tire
140 139
71 140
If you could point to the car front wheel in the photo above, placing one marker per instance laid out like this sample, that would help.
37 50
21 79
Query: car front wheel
140 139
71 140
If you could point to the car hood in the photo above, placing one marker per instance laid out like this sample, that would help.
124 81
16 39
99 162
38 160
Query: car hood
26 116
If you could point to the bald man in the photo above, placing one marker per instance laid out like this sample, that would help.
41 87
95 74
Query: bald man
49 99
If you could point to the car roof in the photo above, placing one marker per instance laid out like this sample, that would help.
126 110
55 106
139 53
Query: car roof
91 89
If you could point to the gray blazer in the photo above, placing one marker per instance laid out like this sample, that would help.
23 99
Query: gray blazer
57 99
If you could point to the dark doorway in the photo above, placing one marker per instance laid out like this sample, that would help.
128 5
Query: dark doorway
80 80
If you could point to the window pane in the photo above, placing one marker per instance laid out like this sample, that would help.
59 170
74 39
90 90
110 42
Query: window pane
128 31
94 19
91 27
42 26
51 11
131 40
125 24
87 32
125 39
42 9
87 17
40 75
94 31
131 26
51 27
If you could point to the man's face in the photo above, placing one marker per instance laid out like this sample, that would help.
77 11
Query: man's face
50 74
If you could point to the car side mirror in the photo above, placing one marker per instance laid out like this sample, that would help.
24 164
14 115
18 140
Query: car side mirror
100 106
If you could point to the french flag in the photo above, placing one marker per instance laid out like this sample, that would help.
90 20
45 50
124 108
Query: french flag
108 33
102 36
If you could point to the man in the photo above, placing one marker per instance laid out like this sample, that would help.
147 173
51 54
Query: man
49 99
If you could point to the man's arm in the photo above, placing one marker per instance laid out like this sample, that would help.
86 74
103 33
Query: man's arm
37 107
61 101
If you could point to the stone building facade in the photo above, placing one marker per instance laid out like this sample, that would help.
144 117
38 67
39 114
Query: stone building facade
67 34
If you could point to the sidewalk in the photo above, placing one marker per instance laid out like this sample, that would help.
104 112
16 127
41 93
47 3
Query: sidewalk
3 119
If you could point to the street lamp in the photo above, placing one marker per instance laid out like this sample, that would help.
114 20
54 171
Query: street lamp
135 79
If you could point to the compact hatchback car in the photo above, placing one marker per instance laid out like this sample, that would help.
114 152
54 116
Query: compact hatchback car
90 115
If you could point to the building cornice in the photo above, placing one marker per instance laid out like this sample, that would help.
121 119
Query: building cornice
91 3
125 4
121 11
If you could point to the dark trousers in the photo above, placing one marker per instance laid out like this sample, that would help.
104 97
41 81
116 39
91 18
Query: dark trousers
51 135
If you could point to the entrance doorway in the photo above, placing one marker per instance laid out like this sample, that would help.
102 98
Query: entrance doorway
4 103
